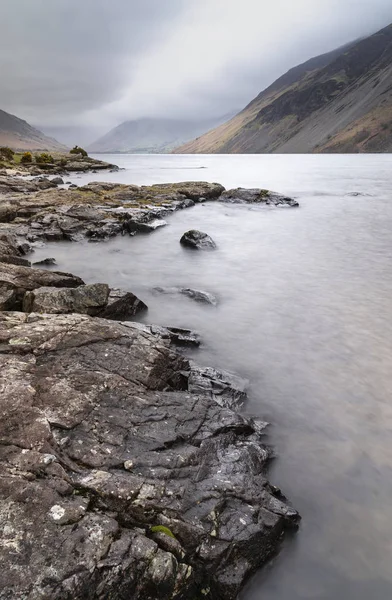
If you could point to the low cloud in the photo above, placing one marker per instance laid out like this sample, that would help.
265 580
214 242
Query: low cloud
97 63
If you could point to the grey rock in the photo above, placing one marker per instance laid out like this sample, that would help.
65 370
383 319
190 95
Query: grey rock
197 295
23 279
256 196
73 186
58 180
102 449
200 296
145 227
122 305
15 260
46 262
197 240
86 299
227 389
8 298
177 335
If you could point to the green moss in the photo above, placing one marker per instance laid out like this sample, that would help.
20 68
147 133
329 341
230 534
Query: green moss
264 193
163 529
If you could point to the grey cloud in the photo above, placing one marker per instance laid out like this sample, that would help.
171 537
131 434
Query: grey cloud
96 63
60 58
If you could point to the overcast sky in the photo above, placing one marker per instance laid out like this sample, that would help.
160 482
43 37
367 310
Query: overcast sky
100 62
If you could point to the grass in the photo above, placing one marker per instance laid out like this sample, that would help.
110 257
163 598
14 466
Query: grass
163 529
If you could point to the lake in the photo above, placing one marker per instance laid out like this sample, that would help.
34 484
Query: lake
305 313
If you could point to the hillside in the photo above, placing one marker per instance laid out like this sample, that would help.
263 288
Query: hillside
337 102
152 135
19 135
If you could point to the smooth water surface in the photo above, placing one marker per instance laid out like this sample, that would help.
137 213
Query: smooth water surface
306 314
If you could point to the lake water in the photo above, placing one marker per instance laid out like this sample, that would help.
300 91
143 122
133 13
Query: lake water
306 314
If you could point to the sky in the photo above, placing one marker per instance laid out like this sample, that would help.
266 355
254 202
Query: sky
95 63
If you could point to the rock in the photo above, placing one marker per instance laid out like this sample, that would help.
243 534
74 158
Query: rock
73 186
198 240
177 335
15 260
46 261
198 295
122 305
194 190
23 279
24 248
8 298
125 484
227 389
256 196
145 227
58 180
85 299
10 253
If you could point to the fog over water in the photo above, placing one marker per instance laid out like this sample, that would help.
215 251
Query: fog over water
305 312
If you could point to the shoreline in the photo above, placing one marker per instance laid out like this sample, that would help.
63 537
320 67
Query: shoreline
170 498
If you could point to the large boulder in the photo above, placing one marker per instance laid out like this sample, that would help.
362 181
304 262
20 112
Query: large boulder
85 299
115 480
22 279
197 240
122 305
256 196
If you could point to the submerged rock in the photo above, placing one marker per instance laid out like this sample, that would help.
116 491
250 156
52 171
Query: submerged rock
45 261
197 295
200 296
256 196
124 483
198 240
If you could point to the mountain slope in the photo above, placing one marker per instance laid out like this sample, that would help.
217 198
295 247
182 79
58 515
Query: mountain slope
152 135
337 102
19 135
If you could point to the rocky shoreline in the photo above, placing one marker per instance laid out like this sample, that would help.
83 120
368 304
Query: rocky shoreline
126 469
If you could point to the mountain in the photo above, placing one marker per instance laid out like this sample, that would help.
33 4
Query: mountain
337 102
19 135
73 135
152 135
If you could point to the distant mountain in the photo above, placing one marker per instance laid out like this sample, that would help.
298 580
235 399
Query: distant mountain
19 135
153 135
73 135
337 102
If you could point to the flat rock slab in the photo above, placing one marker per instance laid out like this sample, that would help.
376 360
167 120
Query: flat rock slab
115 480
85 299
197 295
256 196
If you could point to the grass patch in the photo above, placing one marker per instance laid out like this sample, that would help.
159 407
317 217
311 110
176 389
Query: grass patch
163 529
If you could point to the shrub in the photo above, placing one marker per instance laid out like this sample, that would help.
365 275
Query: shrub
43 158
63 162
78 150
7 153
27 157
